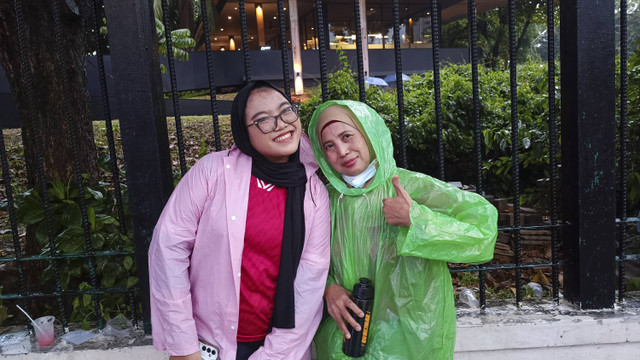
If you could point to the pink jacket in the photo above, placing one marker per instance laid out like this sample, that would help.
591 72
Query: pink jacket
194 265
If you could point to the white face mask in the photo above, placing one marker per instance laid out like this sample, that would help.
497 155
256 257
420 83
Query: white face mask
359 180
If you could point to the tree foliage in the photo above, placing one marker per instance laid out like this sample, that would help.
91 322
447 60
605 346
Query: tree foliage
493 31
180 41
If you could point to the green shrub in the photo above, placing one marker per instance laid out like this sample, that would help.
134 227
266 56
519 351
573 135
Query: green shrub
66 225
458 122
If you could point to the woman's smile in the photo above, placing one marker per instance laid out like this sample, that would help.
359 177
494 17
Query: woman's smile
350 163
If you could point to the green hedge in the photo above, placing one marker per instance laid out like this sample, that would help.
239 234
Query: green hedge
495 117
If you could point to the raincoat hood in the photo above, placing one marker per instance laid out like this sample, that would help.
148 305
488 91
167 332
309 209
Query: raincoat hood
373 125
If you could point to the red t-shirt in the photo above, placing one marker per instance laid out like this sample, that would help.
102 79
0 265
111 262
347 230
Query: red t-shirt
260 259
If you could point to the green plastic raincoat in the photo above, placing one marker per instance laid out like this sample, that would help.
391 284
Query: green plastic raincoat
413 313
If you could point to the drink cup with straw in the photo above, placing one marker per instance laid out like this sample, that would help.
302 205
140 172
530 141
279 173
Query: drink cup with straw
43 326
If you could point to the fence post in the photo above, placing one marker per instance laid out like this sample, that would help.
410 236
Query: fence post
138 87
587 56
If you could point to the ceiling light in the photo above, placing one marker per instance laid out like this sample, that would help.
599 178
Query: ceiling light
221 29
229 17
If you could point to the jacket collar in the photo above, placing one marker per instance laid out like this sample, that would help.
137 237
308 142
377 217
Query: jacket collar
306 155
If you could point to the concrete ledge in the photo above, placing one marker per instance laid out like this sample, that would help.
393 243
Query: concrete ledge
146 352
544 330
534 331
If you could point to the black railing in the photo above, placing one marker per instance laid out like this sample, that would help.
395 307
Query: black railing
144 138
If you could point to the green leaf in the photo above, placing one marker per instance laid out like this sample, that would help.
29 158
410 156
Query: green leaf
103 220
42 234
97 241
85 324
95 193
91 214
58 189
72 215
108 279
180 33
86 299
131 281
128 262
203 149
30 210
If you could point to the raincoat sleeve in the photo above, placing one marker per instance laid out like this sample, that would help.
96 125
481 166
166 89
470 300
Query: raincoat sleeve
447 223
174 328
308 288
330 279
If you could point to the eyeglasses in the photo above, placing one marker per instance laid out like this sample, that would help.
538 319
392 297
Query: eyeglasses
268 124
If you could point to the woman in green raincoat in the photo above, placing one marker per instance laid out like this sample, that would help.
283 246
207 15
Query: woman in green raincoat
398 228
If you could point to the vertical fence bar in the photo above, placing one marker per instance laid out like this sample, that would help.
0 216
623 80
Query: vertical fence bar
515 161
210 75
246 56
399 85
284 52
94 14
477 126
322 49
138 86
27 79
115 172
622 203
174 85
73 137
588 127
358 24
435 38
477 130
553 151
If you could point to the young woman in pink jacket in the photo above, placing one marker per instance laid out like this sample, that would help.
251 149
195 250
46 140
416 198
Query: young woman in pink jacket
240 254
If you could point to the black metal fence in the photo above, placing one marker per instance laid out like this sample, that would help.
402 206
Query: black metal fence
586 174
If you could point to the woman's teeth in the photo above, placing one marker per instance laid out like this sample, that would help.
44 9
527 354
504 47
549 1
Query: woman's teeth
283 137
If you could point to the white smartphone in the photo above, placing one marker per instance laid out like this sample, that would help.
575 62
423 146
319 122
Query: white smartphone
208 352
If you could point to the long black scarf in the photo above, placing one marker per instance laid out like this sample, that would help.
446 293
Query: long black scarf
290 175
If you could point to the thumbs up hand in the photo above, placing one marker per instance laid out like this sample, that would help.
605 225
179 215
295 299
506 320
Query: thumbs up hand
396 209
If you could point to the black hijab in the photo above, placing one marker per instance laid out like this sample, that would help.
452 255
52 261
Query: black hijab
290 175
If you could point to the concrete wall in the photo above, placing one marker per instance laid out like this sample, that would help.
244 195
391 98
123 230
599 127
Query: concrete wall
559 333
533 332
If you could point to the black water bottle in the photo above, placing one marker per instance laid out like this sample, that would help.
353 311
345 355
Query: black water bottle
362 296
